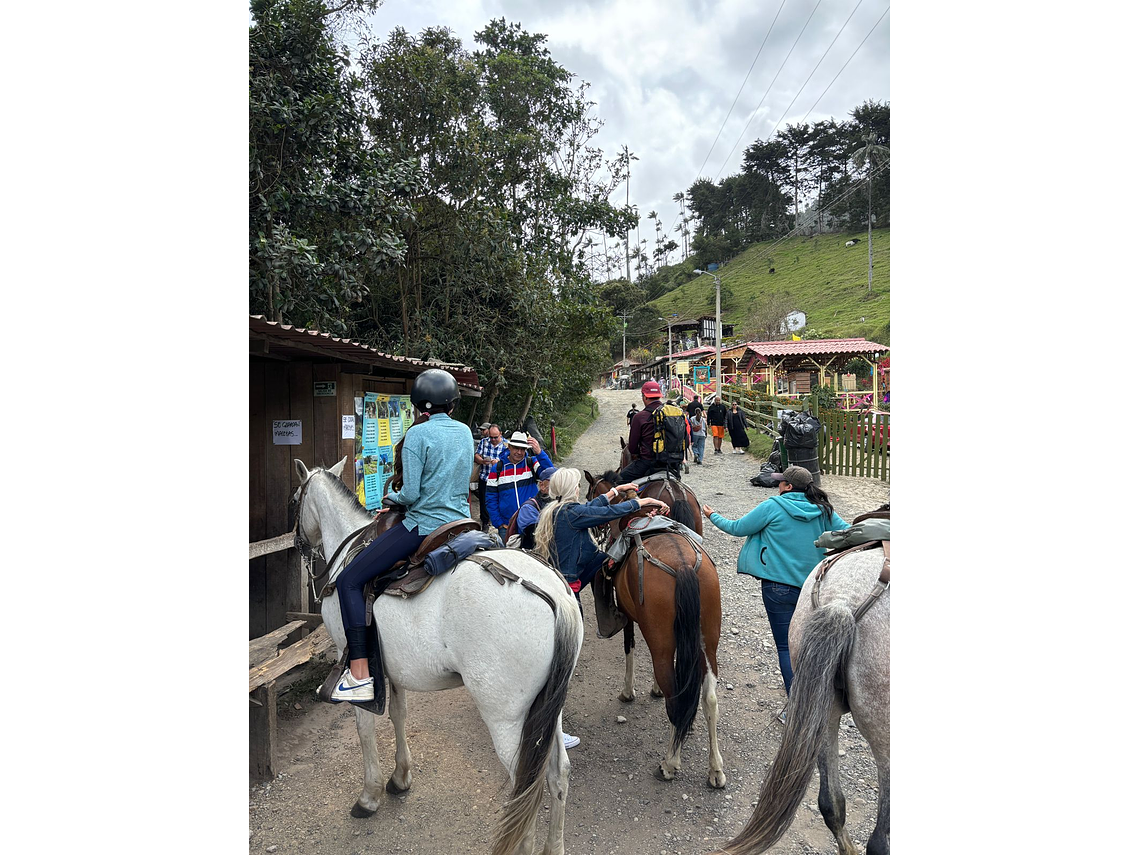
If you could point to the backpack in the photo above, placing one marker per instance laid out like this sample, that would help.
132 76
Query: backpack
670 432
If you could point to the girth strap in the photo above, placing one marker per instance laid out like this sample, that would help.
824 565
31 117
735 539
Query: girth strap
643 556
502 575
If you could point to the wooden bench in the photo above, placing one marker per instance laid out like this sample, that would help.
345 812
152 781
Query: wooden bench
269 672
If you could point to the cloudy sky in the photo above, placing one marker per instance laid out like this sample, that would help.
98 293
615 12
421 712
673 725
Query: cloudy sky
665 73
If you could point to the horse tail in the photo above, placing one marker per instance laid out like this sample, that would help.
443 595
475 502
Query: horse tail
829 636
539 731
689 668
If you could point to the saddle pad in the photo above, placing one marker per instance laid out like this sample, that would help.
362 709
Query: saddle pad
644 526
444 558
867 531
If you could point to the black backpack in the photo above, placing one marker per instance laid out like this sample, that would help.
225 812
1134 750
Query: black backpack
669 434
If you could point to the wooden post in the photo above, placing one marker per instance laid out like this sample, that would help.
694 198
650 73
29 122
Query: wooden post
875 384
263 732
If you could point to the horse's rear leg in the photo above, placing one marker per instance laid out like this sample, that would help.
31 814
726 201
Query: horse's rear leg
627 693
709 705
880 842
832 804
401 778
558 782
370 796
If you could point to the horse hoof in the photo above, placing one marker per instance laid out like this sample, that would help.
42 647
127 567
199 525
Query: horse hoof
361 812
656 693
659 774
626 700
715 781
393 790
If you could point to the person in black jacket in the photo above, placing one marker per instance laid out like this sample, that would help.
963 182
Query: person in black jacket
718 417
737 430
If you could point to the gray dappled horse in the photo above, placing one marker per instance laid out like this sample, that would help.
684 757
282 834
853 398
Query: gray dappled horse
828 648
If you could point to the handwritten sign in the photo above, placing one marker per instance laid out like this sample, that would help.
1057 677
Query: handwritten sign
287 432
348 427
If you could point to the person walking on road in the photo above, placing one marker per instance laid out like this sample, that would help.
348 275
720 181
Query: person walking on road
718 417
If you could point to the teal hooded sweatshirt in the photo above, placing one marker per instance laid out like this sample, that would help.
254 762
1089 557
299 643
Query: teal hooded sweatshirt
781 533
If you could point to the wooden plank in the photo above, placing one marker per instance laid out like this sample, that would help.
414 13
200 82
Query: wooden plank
263 733
326 419
309 647
265 647
310 619
274 544
278 579
258 439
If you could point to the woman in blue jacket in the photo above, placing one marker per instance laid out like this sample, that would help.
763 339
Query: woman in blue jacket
780 548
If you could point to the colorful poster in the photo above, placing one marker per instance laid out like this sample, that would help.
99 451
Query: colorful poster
381 426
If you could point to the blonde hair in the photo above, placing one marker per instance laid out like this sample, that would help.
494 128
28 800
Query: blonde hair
564 487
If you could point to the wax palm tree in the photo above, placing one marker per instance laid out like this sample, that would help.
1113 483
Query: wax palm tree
870 155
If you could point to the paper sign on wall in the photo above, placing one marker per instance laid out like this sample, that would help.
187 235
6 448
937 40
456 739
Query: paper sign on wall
348 427
287 432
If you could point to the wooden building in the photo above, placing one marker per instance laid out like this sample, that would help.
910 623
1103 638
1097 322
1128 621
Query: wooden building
309 377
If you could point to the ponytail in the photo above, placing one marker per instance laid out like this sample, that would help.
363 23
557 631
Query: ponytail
817 497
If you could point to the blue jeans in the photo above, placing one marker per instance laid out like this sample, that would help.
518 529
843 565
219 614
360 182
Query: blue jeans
780 604
699 448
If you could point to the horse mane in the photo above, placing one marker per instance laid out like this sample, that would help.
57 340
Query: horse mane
610 475
344 490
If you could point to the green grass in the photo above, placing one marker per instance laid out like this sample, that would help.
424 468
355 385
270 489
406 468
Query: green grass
827 282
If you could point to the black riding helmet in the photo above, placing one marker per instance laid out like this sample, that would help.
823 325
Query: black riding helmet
434 391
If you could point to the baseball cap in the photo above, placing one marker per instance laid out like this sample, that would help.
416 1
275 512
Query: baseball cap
547 473
518 440
797 476
651 389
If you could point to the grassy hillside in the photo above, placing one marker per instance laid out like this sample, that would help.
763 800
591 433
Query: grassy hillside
827 281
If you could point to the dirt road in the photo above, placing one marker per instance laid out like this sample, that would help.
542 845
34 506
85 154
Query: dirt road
615 803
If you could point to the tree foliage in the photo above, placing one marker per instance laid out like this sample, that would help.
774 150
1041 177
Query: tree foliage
323 199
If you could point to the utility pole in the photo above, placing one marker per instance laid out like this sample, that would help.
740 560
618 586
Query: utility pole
624 315
716 280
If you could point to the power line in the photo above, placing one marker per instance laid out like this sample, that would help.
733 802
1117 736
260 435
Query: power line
835 202
824 92
741 89
817 65
769 89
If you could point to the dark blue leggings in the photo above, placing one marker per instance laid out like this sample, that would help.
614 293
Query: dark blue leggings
379 556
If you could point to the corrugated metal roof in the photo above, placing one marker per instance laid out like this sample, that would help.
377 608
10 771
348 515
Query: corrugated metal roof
287 336
702 349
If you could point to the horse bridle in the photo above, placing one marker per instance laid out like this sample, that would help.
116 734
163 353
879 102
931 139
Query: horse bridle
305 547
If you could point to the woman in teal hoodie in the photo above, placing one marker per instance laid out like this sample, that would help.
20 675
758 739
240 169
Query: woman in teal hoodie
780 548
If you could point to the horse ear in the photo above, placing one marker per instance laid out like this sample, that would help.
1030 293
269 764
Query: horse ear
339 467
302 470
590 478
621 439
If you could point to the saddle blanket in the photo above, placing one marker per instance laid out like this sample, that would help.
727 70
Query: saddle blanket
644 526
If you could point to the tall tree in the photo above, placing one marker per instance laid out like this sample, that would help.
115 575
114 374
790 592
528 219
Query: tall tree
322 196
795 139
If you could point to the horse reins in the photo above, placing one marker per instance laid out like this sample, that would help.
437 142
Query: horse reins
308 552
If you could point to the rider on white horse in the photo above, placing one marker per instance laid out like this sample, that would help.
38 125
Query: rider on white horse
437 459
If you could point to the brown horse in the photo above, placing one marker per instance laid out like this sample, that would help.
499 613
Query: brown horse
678 611
684 506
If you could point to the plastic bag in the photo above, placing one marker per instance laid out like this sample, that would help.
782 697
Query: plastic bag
799 430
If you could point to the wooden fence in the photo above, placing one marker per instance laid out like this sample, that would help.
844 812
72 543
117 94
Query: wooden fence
855 443
764 414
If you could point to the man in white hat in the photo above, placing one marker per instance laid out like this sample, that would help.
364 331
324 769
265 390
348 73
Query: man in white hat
514 480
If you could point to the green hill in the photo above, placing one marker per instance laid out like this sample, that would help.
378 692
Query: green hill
826 280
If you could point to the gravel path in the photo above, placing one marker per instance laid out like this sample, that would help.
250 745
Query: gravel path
615 804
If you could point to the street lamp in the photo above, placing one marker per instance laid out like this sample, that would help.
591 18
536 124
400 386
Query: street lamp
716 281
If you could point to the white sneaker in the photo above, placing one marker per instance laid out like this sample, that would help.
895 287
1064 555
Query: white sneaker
348 688
570 741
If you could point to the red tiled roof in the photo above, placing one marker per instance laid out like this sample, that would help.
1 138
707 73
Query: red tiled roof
811 347
325 344
702 349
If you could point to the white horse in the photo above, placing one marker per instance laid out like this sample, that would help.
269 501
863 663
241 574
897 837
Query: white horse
502 642
827 647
